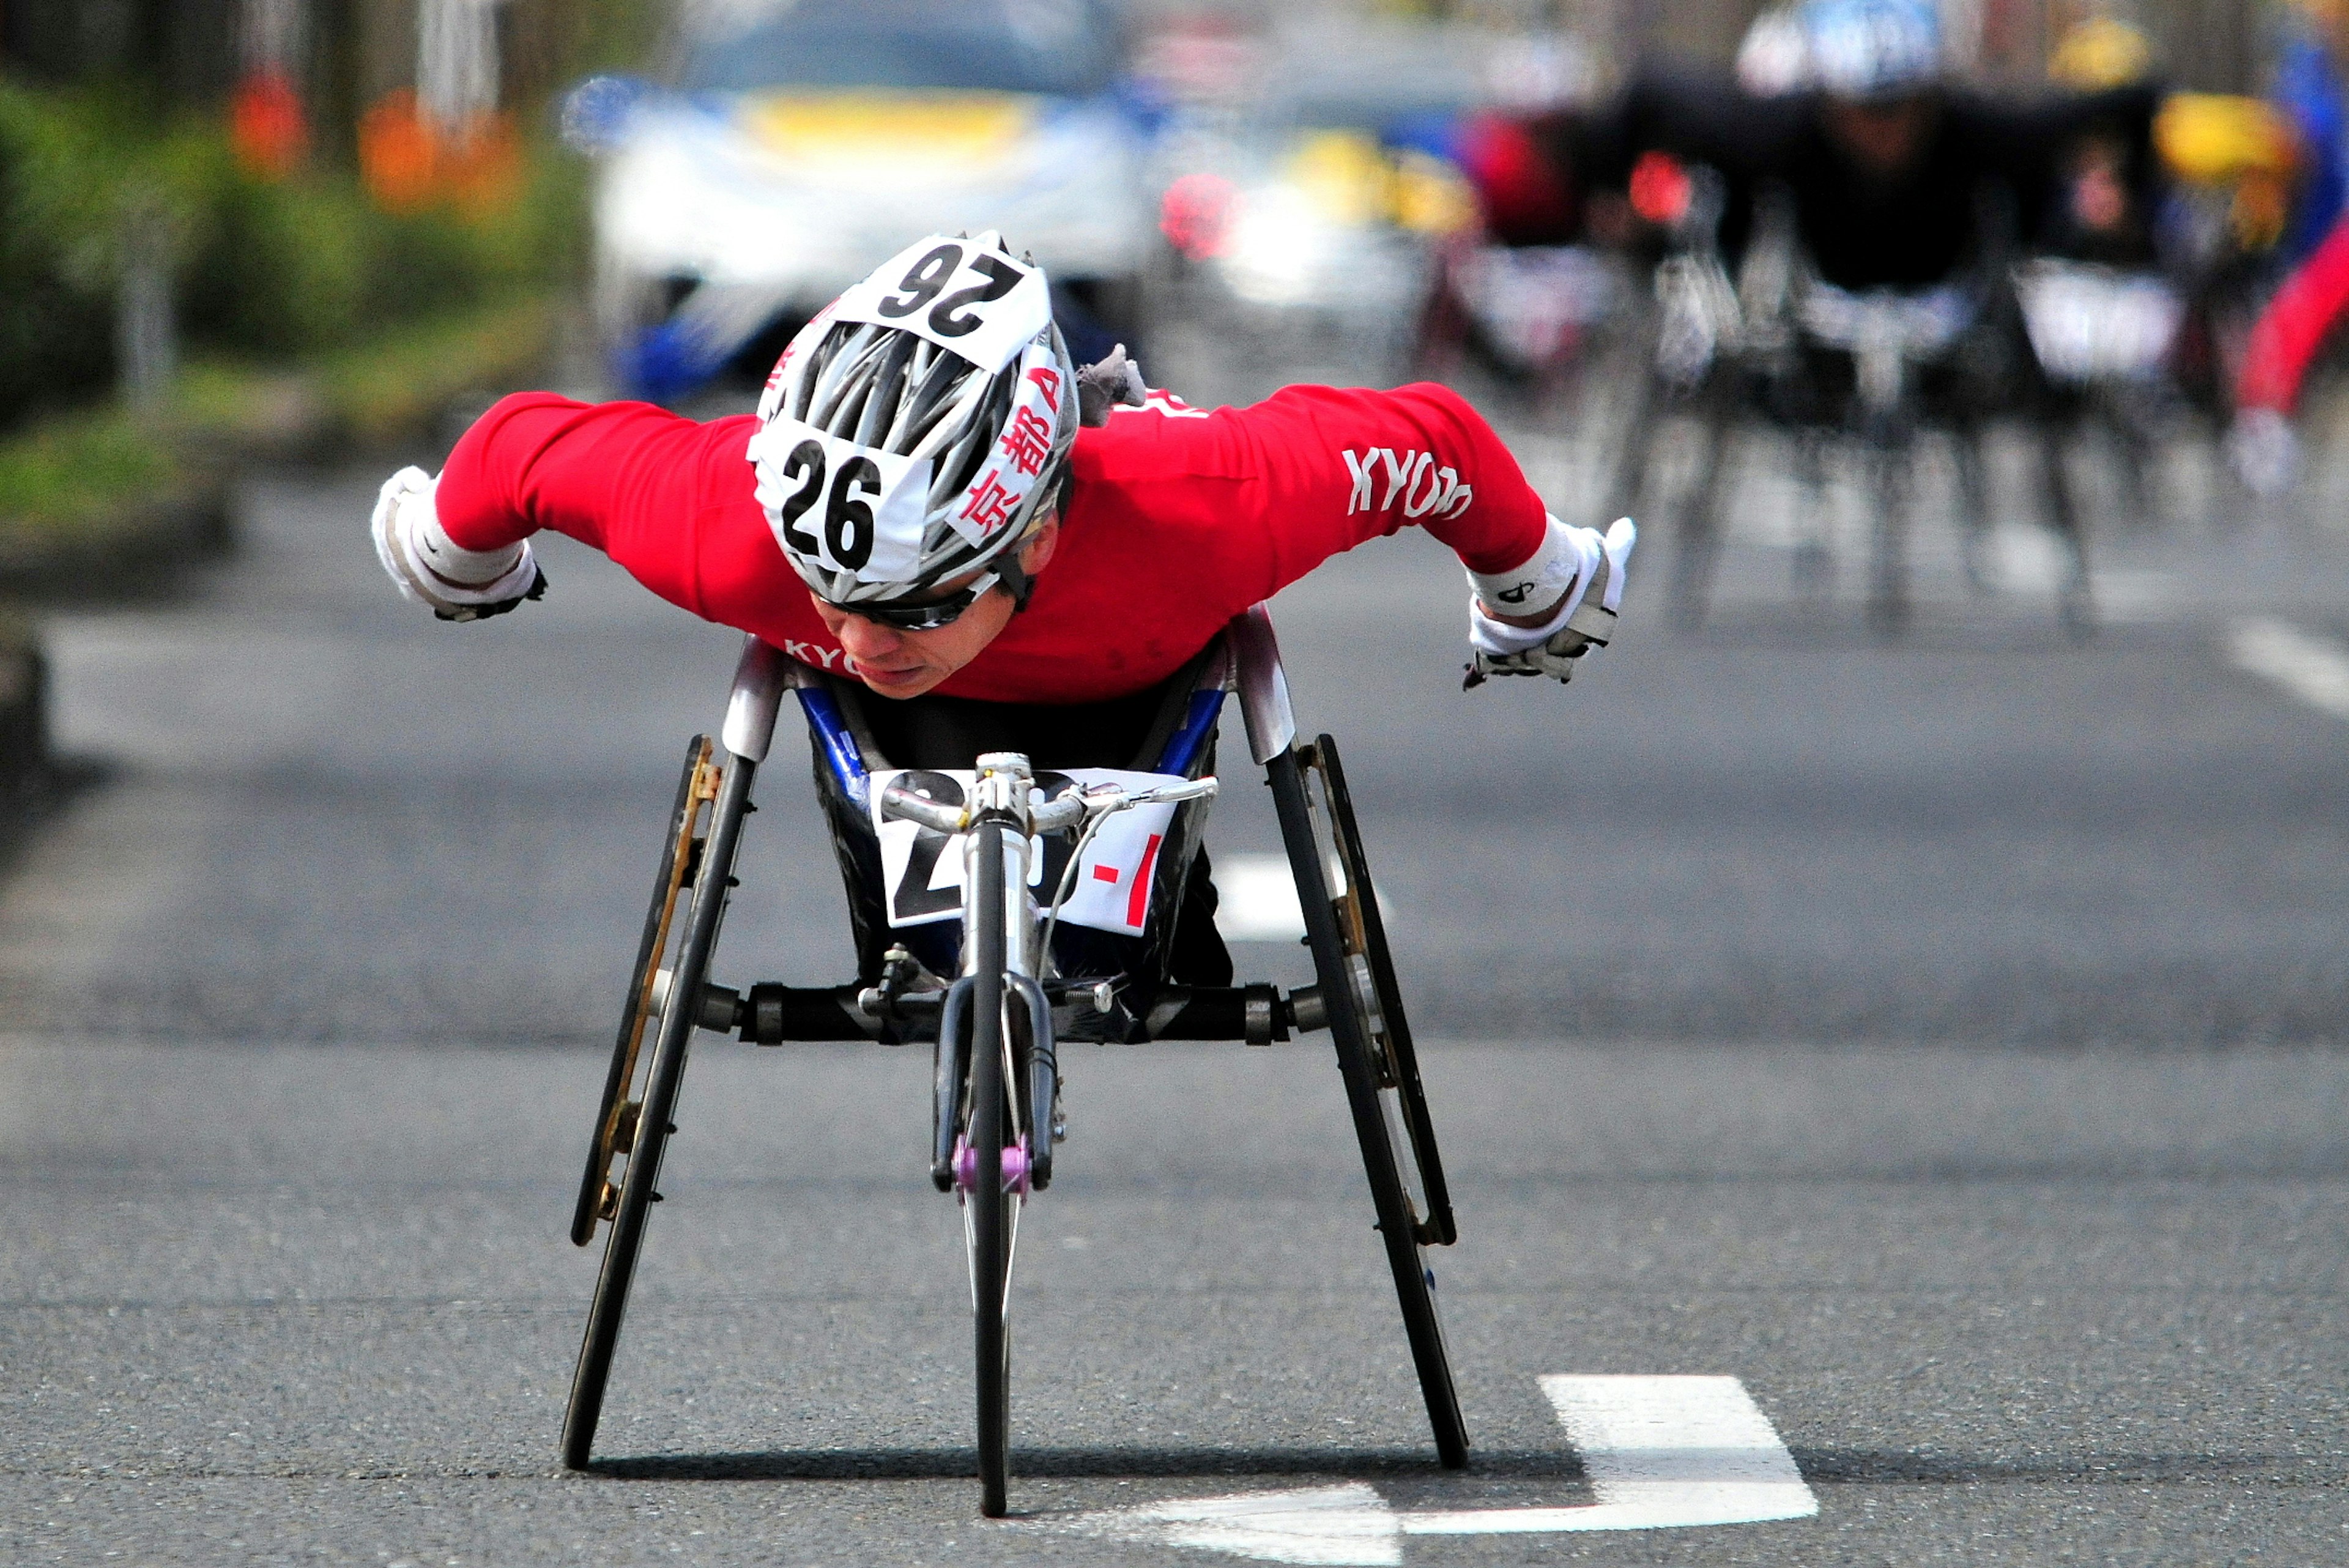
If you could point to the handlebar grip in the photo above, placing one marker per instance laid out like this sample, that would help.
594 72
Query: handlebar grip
1060 811
898 801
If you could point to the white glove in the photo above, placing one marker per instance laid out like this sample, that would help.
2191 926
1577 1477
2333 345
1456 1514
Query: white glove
2264 450
1584 619
427 567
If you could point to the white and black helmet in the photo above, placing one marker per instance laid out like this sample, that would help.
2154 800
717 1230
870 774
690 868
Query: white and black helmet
916 430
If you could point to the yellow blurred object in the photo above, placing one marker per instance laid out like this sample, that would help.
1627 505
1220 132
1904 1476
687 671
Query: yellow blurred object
1431 197
928 127
2101 52
1349 179
2213 139
1344 174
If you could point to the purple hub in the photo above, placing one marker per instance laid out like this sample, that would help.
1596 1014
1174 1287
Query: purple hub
1015 1166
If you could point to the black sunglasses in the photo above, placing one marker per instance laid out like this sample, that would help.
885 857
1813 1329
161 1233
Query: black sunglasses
922 615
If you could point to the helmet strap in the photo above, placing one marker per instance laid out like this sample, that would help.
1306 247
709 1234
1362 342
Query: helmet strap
1013 579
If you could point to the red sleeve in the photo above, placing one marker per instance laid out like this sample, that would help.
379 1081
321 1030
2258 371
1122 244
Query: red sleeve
667 497
2294 326
1322 468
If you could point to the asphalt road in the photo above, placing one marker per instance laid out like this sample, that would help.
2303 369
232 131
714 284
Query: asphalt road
1941 1039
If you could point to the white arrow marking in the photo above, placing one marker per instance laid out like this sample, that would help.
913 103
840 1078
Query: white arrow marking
1348 1524
1661 1453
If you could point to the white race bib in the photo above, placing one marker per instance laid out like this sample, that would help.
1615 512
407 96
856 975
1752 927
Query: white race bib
922 868
852 508
964 295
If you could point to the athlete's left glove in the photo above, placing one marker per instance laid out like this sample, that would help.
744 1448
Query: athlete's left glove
1589 566
427 567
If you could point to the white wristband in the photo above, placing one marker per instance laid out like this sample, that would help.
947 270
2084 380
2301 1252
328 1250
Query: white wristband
1556 576
449 569
1564 555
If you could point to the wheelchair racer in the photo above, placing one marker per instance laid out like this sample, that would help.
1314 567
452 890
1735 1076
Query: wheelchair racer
935 501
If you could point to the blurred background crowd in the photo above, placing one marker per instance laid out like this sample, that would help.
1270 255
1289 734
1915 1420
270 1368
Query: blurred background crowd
2091 251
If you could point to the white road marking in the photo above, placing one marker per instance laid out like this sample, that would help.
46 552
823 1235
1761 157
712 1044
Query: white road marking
1256 899
2313 668
1661 1453
1350 1525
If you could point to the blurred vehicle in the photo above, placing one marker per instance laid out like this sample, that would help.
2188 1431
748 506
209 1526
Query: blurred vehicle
1312 200
795 146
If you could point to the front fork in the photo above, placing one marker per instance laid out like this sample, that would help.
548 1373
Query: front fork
1004 788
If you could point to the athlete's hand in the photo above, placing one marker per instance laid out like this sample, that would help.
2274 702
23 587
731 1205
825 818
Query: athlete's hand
1583 618
429 569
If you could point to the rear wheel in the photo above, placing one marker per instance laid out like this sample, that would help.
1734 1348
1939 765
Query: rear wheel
1375 1057
615 1119
653 1123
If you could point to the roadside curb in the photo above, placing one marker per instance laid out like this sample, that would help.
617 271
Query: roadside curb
145 547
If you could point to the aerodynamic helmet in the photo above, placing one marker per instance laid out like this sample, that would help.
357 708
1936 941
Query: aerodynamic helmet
1872 49
917 431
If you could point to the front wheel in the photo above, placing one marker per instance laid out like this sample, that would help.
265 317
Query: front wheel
990 1213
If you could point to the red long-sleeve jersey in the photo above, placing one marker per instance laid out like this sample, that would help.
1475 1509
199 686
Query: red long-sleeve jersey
1178 519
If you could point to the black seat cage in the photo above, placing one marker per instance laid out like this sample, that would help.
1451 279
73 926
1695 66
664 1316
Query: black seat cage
1245 660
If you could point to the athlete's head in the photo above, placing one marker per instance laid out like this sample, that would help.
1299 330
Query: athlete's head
914 443
1877 64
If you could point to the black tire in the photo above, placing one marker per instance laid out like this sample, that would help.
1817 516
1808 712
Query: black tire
2075 607
1398 1063
1413 1279
654 1125
610 1139
1697 550
1888 601
991 1209
1627 483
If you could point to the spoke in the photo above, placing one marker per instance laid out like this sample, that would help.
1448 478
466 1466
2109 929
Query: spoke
969 1245
1011 1245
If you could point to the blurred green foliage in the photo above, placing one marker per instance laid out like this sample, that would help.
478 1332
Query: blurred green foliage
295 270
65 469
56 320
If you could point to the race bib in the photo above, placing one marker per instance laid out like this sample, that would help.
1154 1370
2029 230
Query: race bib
964 295
852 508
922 868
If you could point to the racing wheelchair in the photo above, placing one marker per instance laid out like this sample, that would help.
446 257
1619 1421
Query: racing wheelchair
1001 907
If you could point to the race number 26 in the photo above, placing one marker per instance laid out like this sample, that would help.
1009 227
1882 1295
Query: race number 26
847 510
928 277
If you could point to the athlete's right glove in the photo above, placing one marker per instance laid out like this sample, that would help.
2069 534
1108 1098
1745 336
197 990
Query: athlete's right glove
1589 566
429 568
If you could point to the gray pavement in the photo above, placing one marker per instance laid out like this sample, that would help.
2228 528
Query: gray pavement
1941 1039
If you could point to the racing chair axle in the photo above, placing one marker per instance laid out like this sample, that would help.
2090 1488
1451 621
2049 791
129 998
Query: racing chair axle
768 1013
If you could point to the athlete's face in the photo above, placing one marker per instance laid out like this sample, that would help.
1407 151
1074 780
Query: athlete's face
908 664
